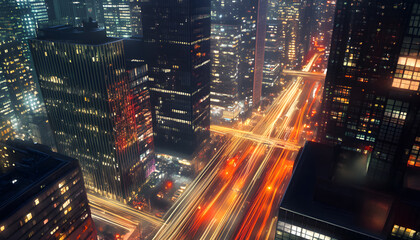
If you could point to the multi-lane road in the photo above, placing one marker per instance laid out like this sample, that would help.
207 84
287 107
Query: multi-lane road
236 196
122 216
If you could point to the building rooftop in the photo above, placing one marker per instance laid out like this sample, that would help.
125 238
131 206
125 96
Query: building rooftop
89 33
329 185
26 169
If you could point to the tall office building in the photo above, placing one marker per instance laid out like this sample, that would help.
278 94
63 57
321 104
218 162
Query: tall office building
42 195
177 38
20 19
136 24
18 22
371 96
97 106
249 14
72 12
38 11
272 58
291 50
261 7
23 93
7 115
117 18
225 46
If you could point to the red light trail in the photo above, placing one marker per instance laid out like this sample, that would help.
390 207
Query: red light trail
237 194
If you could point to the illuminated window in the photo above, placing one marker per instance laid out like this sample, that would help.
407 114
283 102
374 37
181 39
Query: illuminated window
404 233
28 217
414 158
300 232
36 201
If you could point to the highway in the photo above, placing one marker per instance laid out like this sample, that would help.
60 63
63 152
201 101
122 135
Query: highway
236 196
256 138
120 215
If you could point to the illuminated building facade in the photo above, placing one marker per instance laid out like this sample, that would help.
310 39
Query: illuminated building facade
135 14
291 50
18 22
7 115
117 18
97 105
328 198
249 14
272 67
42 195
371 95
23 93
177 40
225 46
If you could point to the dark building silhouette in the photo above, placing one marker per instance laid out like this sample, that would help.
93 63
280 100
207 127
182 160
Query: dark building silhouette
371 96
42 195
98 106
261 9
177 44
328 198
73 12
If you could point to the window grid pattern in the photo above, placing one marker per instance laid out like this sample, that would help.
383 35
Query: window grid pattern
288 231
400 232
414 158
407 74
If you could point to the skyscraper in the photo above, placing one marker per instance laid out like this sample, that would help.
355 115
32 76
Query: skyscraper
20 19
117 18
97 106
249 14
24 97
177 38
261 7
272 58
290 46
18 22
7 115
72 12
225 53
371 95
42 195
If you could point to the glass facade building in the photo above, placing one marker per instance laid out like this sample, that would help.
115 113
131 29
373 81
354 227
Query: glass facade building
328 198
73 12
117 18
248 14
177 44
23 92
18 23
291 50
42 195
98 107
225 56
371 95
272 60
7 115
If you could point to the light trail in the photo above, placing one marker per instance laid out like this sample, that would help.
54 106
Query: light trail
238 192
256 138
110 208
